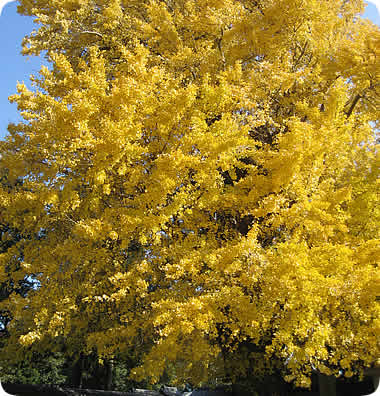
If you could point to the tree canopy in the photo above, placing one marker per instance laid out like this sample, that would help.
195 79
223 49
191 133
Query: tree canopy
199 187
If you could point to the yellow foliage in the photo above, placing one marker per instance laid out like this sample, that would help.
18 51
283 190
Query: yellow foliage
197 182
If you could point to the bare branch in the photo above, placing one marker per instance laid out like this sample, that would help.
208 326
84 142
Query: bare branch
91 32
353 104
219 44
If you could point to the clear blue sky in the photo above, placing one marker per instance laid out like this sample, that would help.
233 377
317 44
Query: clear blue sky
15 67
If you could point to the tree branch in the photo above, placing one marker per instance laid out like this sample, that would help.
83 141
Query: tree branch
91 32
353 104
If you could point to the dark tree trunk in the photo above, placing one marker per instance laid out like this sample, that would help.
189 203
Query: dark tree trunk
327 385
77 372
108 364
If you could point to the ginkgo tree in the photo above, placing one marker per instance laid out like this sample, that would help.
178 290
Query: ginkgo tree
200 186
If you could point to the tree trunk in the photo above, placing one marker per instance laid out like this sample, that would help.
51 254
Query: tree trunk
327 385
108 380
77 372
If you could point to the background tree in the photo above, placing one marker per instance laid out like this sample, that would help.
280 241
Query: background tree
193 170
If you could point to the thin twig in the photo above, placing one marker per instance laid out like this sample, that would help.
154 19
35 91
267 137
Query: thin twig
91 32
219 43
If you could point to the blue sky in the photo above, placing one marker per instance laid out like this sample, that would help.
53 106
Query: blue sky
15 67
